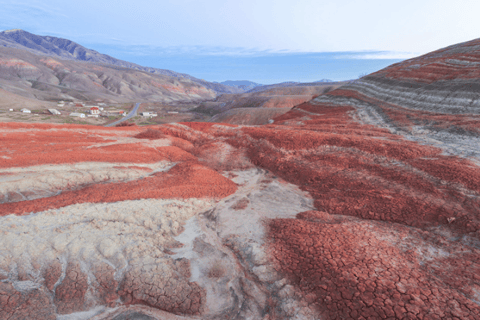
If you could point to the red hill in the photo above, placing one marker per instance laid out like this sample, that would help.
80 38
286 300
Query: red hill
363 203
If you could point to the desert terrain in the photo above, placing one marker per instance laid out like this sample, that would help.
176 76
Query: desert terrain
356 201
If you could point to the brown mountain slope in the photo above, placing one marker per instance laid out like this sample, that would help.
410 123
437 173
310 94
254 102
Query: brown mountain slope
68 50
47 78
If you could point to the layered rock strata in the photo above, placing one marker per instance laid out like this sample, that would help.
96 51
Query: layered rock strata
356 205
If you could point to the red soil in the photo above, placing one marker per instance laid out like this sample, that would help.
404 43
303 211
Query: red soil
437 65
70 294
369 175
200 126
40 145
341 266
38 153
33 304
346 271
348 168
185 180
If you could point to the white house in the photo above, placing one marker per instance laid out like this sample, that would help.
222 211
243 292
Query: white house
76 114
148 114
54 111
25 110
94 110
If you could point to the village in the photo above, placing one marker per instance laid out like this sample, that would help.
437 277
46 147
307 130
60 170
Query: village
101 113
69 111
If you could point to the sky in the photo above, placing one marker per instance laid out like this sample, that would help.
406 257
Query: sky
253 39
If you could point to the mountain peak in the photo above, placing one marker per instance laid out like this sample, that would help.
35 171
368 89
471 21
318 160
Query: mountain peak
16 32
13 30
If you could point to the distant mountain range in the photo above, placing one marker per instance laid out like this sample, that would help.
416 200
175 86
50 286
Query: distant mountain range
249 86
290 84
26 71
69 50
245 85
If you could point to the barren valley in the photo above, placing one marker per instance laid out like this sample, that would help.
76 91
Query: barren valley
353 200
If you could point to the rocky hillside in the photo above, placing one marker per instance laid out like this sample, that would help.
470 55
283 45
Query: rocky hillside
47 78
68 50
363 203
256 108
293 84
434 98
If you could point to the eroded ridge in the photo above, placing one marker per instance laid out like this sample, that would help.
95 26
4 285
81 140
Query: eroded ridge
363 203
416 208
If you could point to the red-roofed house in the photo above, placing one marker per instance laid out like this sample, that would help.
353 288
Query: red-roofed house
94 110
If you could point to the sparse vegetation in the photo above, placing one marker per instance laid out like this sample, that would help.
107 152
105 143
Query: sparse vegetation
125 124
150 134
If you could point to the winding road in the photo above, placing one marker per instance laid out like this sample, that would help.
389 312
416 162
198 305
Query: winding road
131 114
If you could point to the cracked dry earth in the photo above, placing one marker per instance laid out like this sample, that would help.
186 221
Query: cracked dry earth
347 207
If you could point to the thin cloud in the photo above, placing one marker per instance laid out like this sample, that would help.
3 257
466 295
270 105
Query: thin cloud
31 17
214 51
37 9
378 55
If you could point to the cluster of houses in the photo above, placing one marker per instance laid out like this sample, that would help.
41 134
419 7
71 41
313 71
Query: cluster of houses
94 110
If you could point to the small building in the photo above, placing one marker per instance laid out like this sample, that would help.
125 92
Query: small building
77 114
94 110
78 105
10 109
54 111
173 112
116 112
148 114
25 110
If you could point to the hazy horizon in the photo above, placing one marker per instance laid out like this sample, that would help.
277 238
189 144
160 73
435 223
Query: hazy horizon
259 67
221 40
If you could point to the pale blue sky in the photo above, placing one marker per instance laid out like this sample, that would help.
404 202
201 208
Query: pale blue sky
369 29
